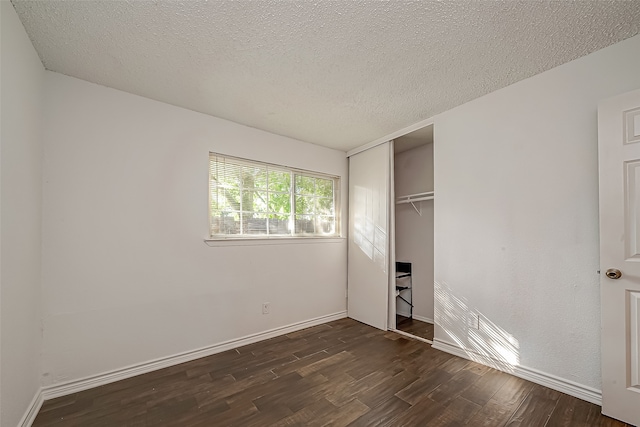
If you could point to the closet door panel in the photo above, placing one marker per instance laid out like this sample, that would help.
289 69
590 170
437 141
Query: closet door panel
368 277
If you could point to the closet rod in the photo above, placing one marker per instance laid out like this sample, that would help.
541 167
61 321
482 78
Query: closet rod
418 197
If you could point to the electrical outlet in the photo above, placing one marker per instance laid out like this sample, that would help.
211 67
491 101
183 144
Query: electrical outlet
266 307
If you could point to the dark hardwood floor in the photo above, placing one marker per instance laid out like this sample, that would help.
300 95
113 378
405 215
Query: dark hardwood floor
340 373
415 327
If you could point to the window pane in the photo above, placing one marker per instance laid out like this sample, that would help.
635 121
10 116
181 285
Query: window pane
324 206
304 224
225 223
279 181
213 201
254 223
280 203
254 201
226 199
326 225
279 224
231 198
230 177
254 177
305 184
324 187
305 205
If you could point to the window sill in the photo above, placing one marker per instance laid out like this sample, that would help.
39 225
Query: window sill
272 241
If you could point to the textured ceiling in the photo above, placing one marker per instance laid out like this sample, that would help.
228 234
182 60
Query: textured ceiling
334 73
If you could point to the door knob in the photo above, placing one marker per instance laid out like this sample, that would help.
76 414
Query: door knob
613 273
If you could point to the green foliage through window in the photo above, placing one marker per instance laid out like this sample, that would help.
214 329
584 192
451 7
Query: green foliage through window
258 199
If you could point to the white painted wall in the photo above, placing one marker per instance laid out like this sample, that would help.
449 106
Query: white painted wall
414 233
22 77
516 217
126 275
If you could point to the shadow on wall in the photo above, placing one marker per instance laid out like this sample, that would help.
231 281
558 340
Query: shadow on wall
482 340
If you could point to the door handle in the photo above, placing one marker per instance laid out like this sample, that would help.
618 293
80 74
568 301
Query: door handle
614 273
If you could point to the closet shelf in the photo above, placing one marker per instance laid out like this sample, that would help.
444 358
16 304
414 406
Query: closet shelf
412 198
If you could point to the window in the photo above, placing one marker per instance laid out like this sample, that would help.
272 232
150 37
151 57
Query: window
253 199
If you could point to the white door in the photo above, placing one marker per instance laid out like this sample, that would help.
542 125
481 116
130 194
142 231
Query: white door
619 163
368 264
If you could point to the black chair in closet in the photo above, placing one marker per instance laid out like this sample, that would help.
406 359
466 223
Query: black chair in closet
404 284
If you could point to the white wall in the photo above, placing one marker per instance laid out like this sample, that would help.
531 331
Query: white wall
126 275
22 76
516 217
413 173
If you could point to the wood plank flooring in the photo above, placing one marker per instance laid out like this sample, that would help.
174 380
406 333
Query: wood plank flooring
341 373
415 327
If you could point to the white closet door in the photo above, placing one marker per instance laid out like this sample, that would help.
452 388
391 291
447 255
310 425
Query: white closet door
368 277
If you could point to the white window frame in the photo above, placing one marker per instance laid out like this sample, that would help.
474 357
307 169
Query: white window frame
291 235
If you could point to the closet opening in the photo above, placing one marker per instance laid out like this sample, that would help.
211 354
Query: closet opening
411 308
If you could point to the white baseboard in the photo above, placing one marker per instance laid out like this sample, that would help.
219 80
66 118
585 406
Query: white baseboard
408 335
415 316
423 319
548 380
402 313
86 383
32 411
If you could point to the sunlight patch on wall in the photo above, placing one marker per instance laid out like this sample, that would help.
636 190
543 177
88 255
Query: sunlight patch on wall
368 234
483 340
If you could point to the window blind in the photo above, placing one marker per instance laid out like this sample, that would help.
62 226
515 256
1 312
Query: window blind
254 199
